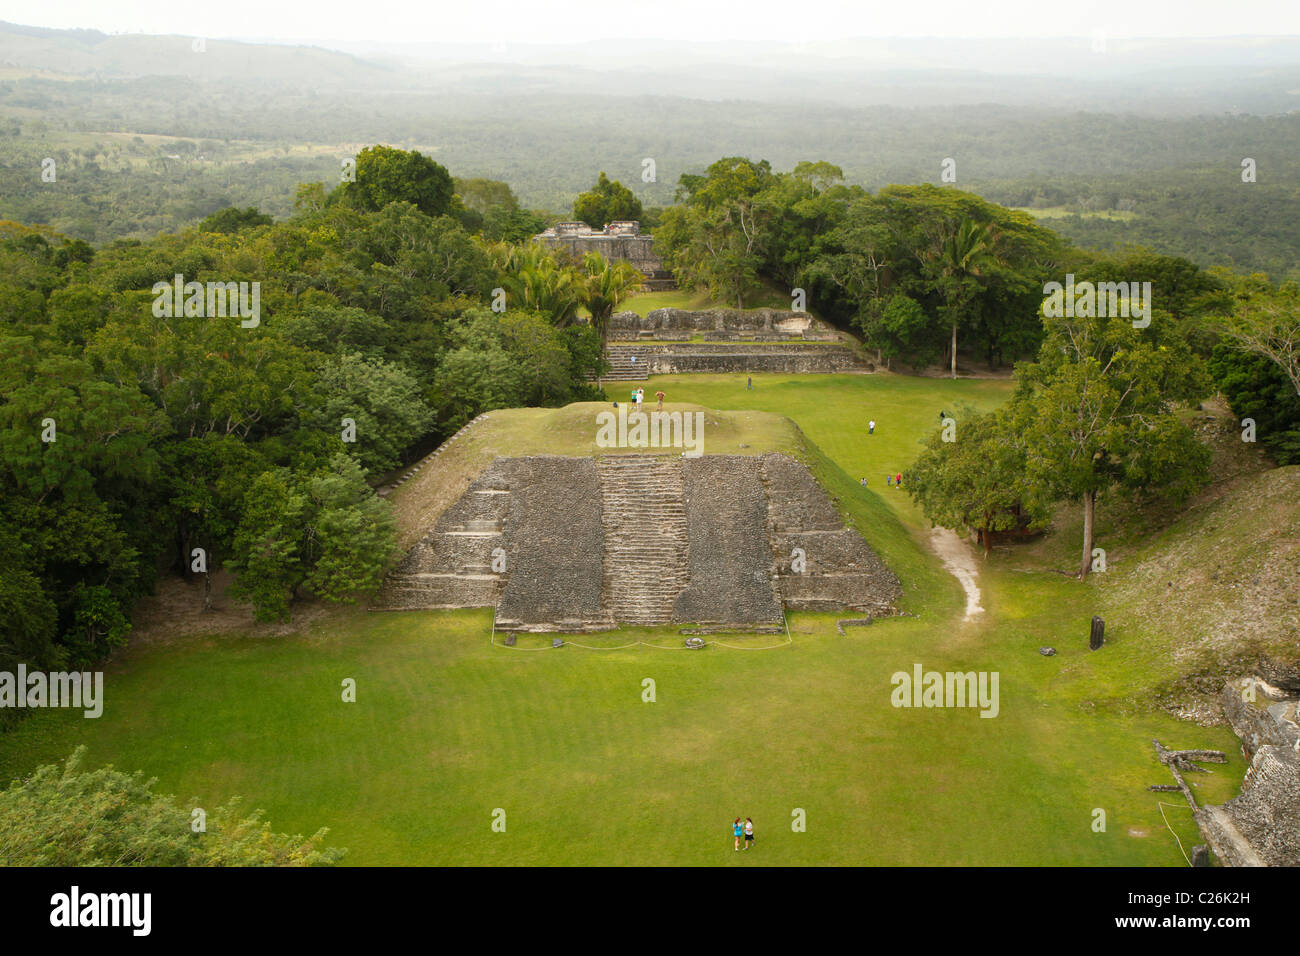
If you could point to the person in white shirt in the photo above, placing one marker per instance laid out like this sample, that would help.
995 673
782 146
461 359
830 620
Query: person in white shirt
871 427
749 832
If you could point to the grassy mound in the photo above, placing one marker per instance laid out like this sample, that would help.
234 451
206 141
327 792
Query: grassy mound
569 431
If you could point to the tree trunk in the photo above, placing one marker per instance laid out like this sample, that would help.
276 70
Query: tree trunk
954 350
1089 503
207 590
988 543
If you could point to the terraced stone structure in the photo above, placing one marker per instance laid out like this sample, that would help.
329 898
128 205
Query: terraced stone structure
1261 825
680 341
580 544
721 325
636 362
618 240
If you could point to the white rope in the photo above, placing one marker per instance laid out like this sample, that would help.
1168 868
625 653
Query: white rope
660 647
1162 806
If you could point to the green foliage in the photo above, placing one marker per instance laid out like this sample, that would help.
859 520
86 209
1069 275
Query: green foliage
65 816
323 531
266 547
386 175
1097 410
606 202
512 359
1257 388
350 533
383 402
715 240
535 278
605 285
28 616
98 626
232 219
976 482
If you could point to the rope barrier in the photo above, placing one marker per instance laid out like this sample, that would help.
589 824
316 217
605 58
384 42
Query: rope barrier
789 641
1162 806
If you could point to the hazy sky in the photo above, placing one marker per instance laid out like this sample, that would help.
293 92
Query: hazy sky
566 21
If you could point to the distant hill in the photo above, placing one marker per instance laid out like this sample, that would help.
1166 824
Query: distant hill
90 53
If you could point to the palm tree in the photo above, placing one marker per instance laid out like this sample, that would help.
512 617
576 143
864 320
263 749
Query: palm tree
604 285
962 252
536 280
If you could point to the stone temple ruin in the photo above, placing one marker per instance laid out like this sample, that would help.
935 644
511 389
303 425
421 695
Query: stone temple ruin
1261 825
584 544
618 240
678 341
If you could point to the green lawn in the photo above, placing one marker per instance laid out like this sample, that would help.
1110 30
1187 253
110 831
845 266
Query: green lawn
768 297
448 727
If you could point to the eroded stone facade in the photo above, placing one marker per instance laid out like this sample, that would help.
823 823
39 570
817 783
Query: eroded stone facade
584 544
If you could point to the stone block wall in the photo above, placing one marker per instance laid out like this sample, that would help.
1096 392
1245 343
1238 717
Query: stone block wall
731 575
1261 825
554 544
838 568
720 324
792 359
742 516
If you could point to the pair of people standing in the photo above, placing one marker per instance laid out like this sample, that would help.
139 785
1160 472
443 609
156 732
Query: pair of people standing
638 396
746 830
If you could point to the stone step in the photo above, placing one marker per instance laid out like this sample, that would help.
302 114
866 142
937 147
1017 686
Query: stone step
646 538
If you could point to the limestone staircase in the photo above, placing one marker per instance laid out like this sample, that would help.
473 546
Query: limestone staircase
646 540
621 366
452 565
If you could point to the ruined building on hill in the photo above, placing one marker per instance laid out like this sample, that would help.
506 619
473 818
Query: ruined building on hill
618 240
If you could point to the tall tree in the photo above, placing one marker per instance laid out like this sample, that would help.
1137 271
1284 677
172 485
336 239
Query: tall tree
1266 322
1098 411
385 175
605 285
606 202
959 257
973 479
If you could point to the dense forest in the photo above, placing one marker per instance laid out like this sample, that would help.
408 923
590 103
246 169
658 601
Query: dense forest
229 395
136 155
145 433
380 302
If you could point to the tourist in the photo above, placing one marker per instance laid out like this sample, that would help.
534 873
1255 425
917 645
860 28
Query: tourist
898 480
871 427
640 395
660 396
738 831
749 383
863 482
889 480
749 832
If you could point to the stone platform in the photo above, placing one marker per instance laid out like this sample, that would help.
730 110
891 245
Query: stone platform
580 544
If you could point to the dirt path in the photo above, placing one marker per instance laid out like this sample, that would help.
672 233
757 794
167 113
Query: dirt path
958 560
